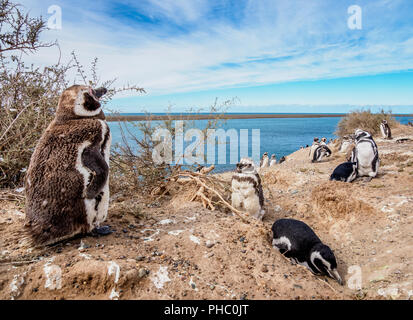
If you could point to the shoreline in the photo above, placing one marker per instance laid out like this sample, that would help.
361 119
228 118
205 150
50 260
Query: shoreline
228 116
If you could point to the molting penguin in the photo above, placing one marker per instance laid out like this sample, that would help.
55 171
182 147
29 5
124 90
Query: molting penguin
385 130
247 193
265 161
67 188
273 160
345 172
366 154
298 242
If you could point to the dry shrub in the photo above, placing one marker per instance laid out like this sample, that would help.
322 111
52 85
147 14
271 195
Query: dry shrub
337 200
365 120
393 158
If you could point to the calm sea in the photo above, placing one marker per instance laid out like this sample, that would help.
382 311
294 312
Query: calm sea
279 136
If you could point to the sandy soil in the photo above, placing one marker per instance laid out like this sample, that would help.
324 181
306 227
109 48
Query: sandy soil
179 250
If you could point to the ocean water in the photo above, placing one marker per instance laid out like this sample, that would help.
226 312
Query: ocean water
279 136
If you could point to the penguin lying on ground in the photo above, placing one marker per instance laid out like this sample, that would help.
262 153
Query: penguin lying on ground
298 242
345 172
67 187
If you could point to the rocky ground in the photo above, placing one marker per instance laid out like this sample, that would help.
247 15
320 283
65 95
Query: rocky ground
176 249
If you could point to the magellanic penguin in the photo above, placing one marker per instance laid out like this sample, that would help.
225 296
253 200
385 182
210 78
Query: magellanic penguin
313 148
320 152
297 241
67 187
345 172
273 160
385 130
366 154
265 161
247 193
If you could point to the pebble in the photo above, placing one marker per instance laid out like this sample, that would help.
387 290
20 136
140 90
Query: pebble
142 272
210 244
140 258
212 287
264 269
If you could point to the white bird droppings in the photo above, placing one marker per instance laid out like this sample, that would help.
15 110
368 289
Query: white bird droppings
161 277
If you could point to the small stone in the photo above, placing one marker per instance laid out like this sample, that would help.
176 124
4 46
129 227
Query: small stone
125 230
140 258
193 286
242 239
212 287
243 297
264 269
298 286
209 244
142 272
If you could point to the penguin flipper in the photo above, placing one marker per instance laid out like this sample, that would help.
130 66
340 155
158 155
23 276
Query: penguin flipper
95 162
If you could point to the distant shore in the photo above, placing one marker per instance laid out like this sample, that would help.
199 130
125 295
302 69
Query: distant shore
229 116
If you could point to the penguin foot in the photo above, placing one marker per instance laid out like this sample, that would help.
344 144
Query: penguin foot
101 231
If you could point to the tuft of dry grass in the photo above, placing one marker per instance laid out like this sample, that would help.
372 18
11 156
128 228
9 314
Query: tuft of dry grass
365 120
337 200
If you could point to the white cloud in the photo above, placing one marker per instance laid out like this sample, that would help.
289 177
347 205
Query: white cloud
272 41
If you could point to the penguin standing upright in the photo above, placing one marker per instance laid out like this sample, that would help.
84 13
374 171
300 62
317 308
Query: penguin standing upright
313 148
265 161
247 193
67 187
297 241
385 130
365 154
273 160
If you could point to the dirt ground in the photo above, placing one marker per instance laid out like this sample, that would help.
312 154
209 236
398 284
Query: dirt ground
179 250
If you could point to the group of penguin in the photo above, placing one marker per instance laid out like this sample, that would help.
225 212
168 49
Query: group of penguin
67 182
293 238
270 162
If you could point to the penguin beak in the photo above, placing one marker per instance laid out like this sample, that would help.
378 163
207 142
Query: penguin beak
334 274
98 93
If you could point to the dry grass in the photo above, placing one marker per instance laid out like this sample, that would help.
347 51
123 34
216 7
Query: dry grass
365 120
338 200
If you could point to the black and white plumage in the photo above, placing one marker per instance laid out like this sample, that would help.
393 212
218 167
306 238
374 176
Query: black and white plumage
247 193
313 148
320 152
273 160
265 161
385 130
282 159
345 172
297 241
323 141
366 154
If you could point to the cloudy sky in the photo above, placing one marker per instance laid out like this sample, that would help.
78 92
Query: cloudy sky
272 55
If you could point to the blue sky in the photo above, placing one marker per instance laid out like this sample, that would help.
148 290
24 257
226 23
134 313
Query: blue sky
272 55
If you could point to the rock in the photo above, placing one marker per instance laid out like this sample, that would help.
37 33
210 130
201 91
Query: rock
242 239
298 286
142 273
264 269
140 258
209 244
212 287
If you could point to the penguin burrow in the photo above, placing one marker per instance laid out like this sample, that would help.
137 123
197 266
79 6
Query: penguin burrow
297 241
